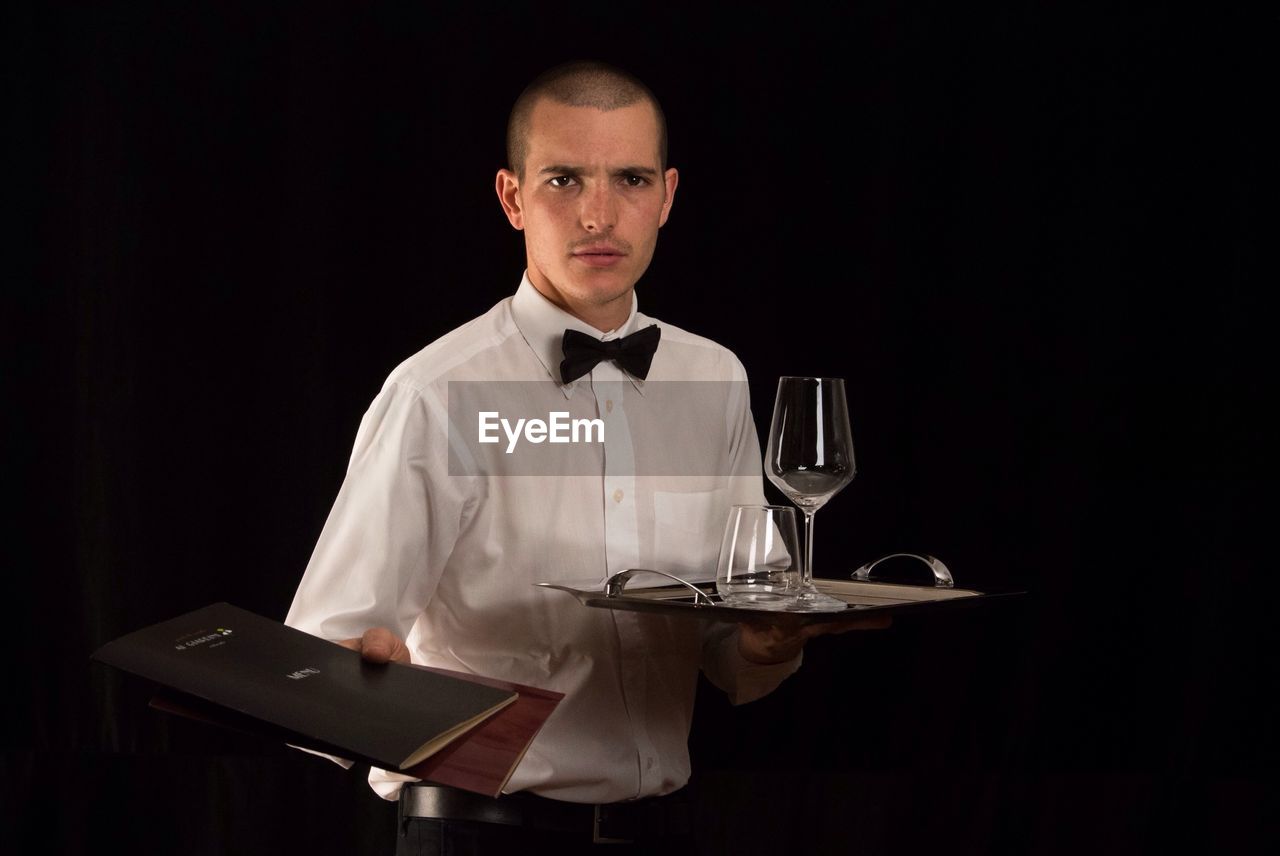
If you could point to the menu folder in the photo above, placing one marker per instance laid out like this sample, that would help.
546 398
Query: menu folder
481 760
228 666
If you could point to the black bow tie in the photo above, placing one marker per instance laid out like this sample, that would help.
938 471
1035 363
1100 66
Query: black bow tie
634 353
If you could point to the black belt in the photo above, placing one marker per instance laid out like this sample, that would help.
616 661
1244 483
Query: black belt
648 818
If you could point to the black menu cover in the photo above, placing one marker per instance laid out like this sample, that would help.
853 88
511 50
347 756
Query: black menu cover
393 715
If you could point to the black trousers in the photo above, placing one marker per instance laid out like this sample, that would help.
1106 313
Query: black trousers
419 836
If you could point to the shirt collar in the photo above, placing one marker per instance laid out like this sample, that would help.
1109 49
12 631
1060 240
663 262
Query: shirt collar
542 324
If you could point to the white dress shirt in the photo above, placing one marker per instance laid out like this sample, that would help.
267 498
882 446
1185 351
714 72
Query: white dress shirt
448 560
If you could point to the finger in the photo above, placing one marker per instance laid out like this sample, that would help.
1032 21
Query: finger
375 647
353 644
380 645
882 621
874 621
400 653
776 624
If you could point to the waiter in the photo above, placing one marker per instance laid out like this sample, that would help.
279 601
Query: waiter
430 557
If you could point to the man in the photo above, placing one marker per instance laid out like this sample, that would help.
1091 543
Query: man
423 559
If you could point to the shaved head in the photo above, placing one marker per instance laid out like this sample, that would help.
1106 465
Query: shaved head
583 83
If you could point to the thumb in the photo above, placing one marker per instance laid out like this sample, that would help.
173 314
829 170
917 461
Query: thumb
380 645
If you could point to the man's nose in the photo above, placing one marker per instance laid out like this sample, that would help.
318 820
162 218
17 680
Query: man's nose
599 209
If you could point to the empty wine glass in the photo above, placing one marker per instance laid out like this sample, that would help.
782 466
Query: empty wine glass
810 459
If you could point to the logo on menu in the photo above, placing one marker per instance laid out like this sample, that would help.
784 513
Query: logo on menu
204 637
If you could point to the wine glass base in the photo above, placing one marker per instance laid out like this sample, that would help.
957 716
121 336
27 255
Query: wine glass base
812 600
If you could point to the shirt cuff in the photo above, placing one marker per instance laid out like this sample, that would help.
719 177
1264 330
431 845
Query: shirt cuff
387 784
341 762
742 680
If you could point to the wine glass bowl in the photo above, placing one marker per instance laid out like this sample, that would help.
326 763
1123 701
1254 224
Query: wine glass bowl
810 459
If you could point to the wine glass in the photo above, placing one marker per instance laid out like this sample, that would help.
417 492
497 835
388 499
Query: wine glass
810 459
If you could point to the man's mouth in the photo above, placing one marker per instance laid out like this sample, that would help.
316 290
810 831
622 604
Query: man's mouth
598 255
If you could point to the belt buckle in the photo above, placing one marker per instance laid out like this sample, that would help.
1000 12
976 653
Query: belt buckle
596 837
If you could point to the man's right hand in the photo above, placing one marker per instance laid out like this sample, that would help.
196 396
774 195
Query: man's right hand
379 645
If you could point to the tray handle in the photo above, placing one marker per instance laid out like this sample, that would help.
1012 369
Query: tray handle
613 587
941 574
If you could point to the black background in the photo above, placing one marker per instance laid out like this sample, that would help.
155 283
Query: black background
1032 238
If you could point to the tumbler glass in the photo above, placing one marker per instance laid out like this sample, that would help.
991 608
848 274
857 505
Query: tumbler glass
759 563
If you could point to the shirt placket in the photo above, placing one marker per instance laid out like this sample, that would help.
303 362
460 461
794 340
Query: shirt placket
622 552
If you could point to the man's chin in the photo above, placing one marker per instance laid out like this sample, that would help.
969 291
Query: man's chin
603 290
602 299
594 288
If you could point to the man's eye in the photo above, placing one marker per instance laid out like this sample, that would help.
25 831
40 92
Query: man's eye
561 181
634 181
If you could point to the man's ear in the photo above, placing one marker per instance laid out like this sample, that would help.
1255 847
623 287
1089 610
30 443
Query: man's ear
508 187
670 179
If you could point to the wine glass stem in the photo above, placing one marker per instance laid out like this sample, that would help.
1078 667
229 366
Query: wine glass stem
806 579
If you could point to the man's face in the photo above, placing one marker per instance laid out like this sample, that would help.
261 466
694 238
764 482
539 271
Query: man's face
590 204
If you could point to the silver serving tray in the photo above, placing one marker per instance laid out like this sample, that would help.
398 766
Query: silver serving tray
700 599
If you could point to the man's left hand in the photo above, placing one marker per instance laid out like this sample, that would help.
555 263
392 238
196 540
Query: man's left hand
781 638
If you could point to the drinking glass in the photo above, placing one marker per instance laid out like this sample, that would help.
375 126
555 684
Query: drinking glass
810 459
759 559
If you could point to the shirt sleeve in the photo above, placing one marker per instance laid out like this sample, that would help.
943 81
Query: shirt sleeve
742 680
391 529
393 525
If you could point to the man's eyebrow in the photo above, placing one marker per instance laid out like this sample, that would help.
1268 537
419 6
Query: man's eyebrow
564 169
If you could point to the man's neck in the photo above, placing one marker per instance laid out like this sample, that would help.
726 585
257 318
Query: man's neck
604 317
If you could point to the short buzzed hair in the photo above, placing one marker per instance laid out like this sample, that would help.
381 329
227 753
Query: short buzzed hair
581 83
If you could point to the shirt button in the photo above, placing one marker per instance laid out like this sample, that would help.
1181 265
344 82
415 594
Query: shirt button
608 406
617 495
648 763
